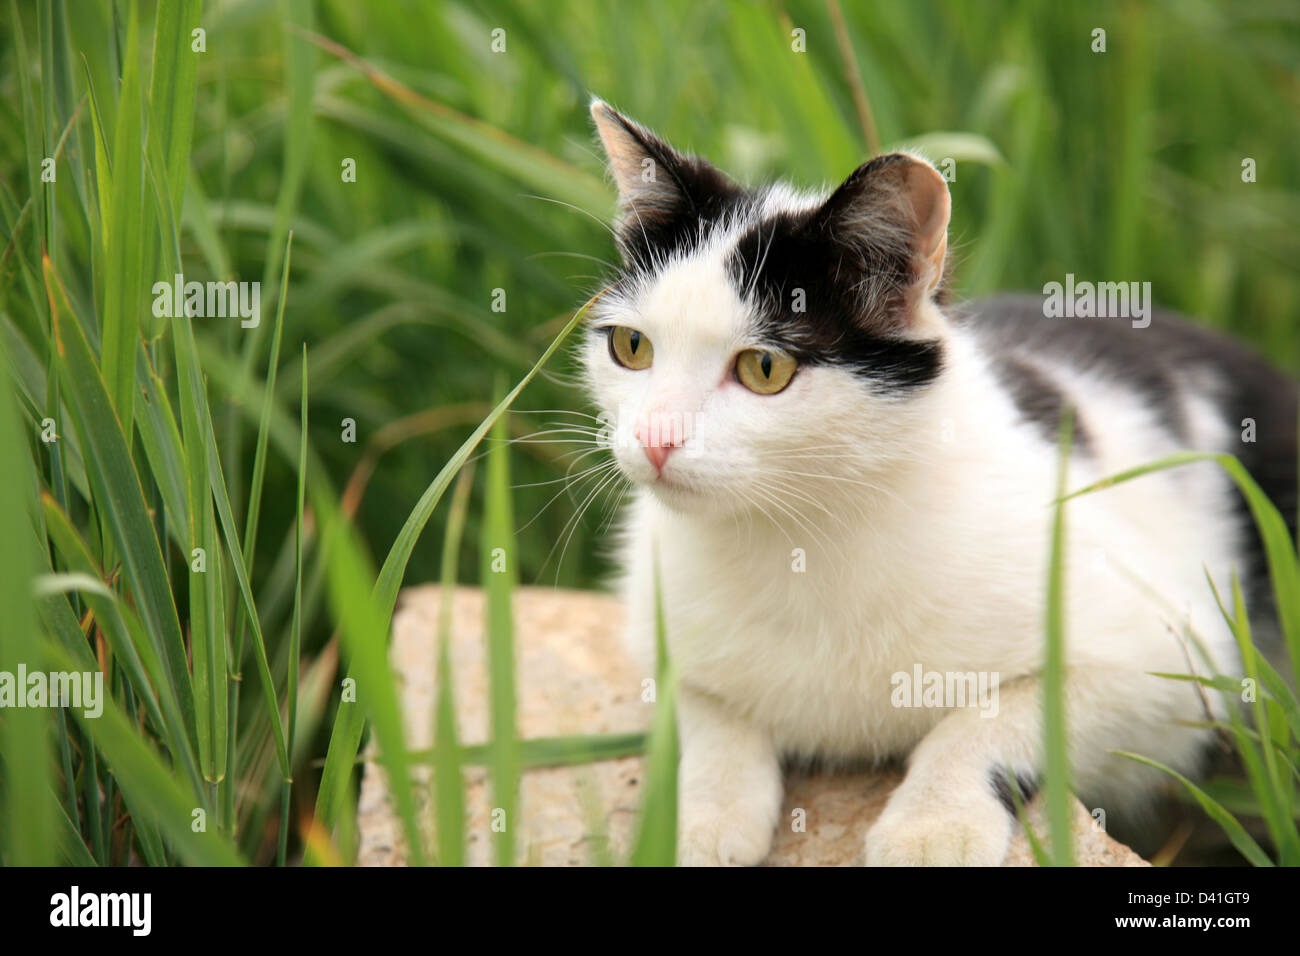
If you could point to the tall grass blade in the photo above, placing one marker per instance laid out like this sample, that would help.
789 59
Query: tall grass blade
1056 763
1235 831
656 840
449 793
363 624
499 577
124 266
295 639
27 820
117 487
172 91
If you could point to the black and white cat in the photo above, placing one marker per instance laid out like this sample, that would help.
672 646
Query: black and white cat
845 483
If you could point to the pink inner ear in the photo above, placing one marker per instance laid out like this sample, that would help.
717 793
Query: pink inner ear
928 194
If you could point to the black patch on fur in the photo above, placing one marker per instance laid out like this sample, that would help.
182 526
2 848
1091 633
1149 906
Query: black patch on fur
838 325
1142 360
1163 363
704 195
1039 399
1025 784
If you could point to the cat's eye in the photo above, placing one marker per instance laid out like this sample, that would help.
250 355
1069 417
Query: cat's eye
630 348
765 371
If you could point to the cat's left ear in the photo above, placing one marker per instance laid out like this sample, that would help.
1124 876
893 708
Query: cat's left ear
891 218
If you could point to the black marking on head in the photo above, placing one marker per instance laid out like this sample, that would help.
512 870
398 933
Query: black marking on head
1039 399
852 294
1025 784
700 196
853 256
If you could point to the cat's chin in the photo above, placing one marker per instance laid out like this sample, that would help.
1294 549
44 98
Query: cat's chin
690 498
677 495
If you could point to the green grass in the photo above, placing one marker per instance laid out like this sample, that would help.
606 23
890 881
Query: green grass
476 172
1056 769
498 577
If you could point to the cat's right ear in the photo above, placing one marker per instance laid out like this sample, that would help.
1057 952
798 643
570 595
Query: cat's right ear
662 193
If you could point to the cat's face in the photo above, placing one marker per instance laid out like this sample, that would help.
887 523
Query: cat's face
763 349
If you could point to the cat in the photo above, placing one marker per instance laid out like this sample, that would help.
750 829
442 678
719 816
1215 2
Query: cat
844 483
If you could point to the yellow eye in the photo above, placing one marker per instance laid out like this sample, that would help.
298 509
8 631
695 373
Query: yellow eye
765 371
629 348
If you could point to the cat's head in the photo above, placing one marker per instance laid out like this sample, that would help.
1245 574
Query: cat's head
763 343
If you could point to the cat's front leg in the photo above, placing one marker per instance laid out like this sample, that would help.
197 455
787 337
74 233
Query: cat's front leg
729 786
952 807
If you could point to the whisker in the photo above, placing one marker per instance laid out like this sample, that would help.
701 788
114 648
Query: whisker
574 255
554 481
570 482
553 411
560 202
571 526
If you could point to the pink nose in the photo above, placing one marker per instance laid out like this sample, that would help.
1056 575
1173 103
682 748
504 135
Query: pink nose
658 454
656 447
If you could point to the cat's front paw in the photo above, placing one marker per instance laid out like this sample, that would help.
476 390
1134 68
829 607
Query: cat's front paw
966 837
710 835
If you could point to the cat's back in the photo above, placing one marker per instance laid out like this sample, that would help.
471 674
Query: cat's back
1169 365
1164 361
1168 385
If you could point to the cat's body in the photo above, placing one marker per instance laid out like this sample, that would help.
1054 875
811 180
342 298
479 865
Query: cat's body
888 510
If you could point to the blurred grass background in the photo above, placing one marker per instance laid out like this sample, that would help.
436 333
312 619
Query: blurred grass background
1123 165
476 171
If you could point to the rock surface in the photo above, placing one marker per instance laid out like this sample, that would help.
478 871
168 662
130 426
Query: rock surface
574 677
